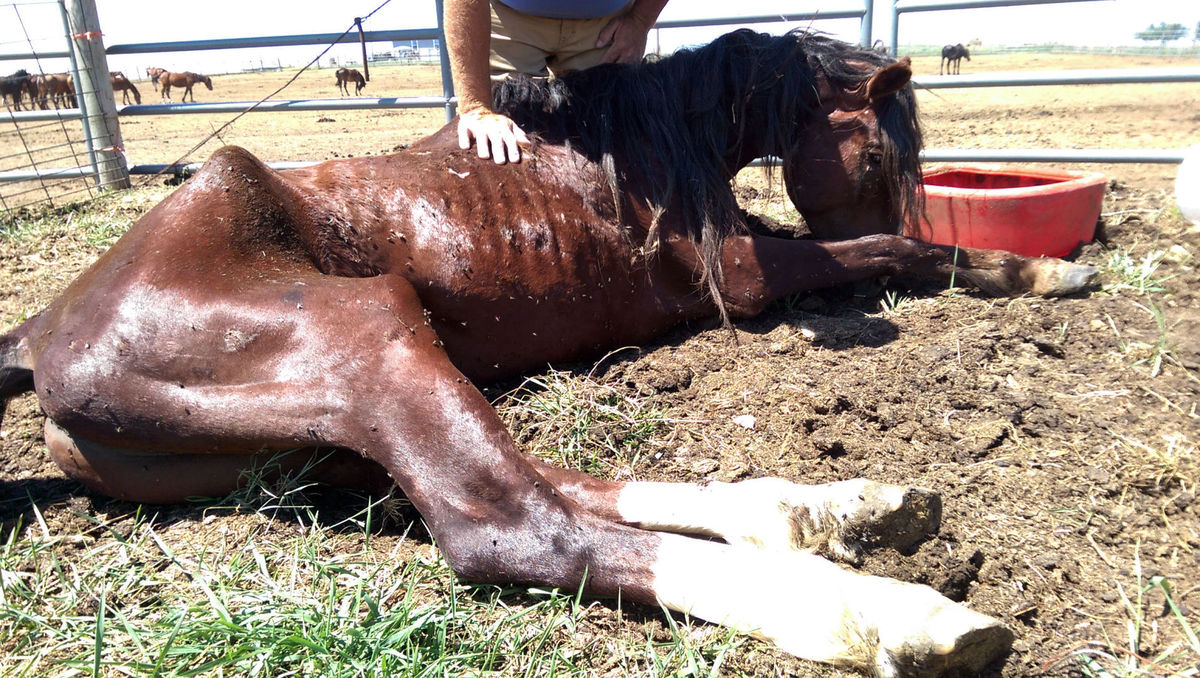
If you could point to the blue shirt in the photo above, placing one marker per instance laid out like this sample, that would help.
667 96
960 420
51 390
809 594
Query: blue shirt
567 9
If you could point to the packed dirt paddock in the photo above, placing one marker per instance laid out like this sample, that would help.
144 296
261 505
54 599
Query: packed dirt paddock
1062 434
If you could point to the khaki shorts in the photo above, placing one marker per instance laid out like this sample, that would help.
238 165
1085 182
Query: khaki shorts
522 43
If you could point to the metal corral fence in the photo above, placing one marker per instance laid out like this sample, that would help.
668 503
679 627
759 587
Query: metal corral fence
41 144
106 162
1027 79
105 155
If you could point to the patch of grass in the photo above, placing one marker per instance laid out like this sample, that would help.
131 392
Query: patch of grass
580 423
1129 273
1153 355
1175 464
98 221
1149 648
894 303
240 598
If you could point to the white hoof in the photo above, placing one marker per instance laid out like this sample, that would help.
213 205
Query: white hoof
1056 278
837 520
944 639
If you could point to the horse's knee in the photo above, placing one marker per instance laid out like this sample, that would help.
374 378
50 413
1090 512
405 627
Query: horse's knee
547 545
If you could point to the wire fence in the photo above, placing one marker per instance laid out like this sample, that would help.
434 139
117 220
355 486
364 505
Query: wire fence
52 140
46 155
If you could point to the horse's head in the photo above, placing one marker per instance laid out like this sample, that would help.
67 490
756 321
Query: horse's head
207 81
853 169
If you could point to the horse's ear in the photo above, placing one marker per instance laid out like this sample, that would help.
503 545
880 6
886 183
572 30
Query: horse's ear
889 80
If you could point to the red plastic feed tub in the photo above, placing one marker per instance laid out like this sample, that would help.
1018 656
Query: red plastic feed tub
1033 212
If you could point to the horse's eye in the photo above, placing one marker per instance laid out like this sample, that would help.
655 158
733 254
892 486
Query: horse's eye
875 156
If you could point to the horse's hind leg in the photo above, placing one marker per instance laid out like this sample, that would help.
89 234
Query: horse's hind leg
165 477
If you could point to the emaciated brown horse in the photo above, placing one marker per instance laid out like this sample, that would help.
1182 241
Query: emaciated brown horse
122 84
348 75
167 80
353 305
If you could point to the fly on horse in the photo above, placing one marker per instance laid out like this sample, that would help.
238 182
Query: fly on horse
355 305
154 72
348 75
187 79
121 83
952 56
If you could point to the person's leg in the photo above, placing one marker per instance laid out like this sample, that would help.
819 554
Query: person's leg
576 49
521 43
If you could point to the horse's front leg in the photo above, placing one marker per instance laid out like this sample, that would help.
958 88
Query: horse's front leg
498 517
837 520
759 270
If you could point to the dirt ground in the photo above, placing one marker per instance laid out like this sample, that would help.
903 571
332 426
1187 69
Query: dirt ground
1061 433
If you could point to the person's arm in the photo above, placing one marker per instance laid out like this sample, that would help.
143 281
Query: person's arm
468 43
625 35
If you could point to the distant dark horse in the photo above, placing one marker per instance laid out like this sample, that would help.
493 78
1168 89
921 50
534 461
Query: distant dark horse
952 56
120 82
14 86
186 80
347 75
357 304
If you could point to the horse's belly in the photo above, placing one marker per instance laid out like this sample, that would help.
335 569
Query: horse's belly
489 338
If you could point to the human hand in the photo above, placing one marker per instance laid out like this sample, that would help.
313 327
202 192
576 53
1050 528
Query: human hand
625 37
495 136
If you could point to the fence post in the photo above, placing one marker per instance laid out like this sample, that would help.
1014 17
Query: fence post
895 29
867 26
444 59
96 95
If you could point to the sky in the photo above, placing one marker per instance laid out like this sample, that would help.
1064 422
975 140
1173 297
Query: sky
22 22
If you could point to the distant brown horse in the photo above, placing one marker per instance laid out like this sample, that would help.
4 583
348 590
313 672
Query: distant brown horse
357 304
120 82
347 75
952 56
153 73
186 80
55 88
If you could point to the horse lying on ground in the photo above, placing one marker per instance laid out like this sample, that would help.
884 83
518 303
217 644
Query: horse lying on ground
167 80
348 75
952 56
353 305
121 83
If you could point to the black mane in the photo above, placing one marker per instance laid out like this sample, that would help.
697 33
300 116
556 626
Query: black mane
686 112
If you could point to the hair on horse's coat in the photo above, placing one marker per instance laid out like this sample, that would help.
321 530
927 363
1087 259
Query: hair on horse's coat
670 112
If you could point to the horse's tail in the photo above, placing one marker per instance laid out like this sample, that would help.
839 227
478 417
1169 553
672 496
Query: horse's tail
16 365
